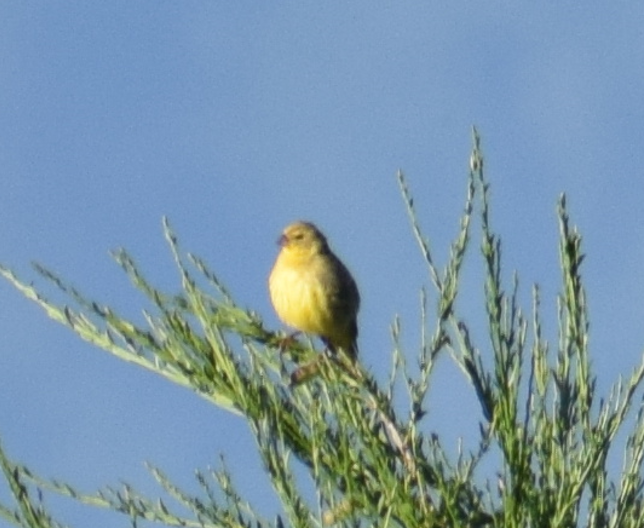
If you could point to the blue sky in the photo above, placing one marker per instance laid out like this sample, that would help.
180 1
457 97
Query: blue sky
235 118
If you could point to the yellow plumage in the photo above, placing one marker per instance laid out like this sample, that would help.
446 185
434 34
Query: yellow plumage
312 291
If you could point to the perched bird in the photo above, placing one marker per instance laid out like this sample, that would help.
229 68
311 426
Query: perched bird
312 290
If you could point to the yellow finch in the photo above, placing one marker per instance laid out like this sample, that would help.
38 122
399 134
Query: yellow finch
312 291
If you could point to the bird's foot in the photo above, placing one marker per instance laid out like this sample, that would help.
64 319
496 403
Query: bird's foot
286 342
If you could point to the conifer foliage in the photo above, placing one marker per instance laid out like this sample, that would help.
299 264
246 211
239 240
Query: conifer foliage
369 465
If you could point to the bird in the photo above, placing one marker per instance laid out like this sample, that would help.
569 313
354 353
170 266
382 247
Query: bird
312 291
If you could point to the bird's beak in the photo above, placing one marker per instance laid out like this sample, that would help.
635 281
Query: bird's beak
281 241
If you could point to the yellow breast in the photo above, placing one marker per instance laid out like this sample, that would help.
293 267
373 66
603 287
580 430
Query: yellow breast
299 298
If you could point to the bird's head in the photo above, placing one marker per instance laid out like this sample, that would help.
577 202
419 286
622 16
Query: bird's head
302 238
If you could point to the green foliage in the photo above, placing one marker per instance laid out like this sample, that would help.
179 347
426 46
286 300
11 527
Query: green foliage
370 467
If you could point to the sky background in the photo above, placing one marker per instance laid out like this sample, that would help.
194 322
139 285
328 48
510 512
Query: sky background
234 119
